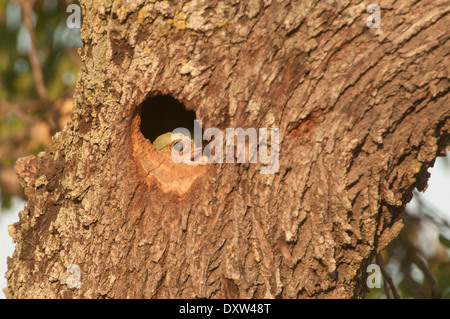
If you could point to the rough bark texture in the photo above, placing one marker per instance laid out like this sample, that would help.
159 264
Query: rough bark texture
362 114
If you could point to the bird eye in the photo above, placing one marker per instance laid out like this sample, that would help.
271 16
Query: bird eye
178 145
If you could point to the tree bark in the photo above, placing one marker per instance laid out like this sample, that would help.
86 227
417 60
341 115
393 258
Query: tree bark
362 113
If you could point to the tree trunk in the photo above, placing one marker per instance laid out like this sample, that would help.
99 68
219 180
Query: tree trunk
362 114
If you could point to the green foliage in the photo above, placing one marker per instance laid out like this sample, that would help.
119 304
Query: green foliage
10 125
6 200
443 276
444 240
418 259
56 46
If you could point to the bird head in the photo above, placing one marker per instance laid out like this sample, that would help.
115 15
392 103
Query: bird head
165 142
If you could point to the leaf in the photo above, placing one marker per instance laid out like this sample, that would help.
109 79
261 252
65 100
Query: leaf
444 240
6 201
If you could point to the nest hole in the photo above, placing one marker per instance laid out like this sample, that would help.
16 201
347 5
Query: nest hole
158 115
163 113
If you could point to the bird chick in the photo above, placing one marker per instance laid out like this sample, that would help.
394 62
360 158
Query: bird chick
167 141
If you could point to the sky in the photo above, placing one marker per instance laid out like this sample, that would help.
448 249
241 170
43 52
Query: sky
437 194
6 245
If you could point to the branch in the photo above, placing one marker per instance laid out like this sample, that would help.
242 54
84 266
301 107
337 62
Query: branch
27 16
387 277
415 258
416 289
